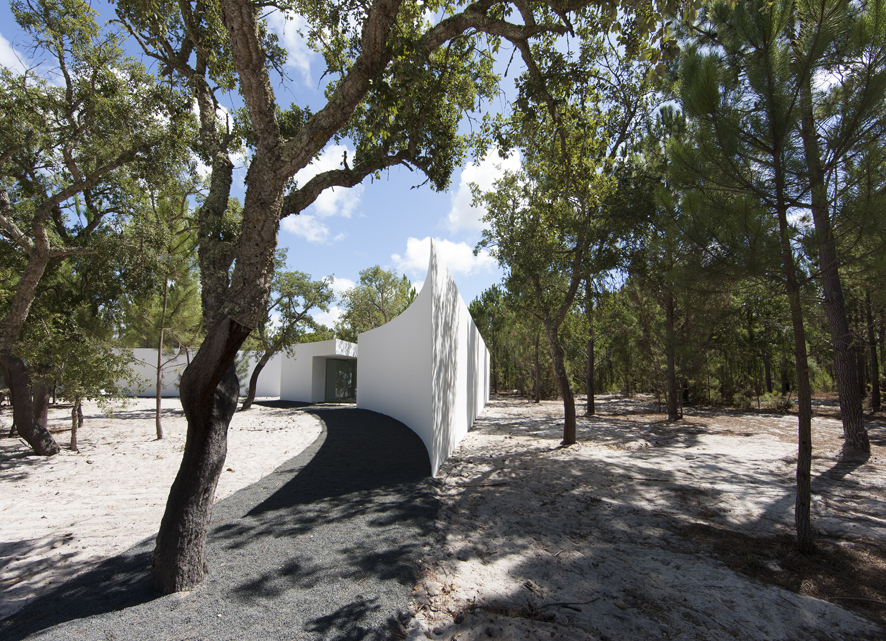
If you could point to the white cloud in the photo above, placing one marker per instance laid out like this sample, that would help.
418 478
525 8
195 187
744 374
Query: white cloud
10 58
457 257
341 284
329 318
308 227
287 29
463 214
336 201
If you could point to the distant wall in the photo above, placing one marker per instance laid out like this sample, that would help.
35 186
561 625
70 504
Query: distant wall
303 375
173 365
428 368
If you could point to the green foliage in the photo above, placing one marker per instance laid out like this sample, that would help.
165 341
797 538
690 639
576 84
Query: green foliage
379 297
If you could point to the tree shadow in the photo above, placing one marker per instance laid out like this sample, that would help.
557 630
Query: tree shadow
299 550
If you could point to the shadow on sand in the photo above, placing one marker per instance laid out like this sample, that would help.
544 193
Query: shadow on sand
325 546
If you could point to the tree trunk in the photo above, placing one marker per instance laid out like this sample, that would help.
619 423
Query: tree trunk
872 350
537 369
28 412
802 505
767 369
558 358
75 423
209 392
835 309
253 380
590 409
157 420
673 412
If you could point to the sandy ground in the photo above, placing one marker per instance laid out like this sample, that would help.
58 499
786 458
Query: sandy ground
603 539
58 515
614 538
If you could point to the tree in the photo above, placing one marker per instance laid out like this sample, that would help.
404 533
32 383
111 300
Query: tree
743 86
849 42
400 85
293 296
380 296
81 138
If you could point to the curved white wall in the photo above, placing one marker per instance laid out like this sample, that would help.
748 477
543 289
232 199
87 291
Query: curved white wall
428 368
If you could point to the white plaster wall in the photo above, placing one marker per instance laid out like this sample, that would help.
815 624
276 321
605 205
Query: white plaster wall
303 376
428 368
146 369
395 368
268 383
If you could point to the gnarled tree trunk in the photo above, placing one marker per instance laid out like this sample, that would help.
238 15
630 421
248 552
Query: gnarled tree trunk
570 433
29 413
209 394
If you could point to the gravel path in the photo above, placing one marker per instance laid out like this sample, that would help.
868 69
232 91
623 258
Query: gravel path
324 548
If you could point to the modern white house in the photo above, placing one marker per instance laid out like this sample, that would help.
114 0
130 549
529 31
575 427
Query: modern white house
319 372
428 368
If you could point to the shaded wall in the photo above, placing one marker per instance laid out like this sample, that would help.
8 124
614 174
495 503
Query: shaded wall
303 375
428 368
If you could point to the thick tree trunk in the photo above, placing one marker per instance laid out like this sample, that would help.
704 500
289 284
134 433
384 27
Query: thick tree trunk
209 393
28 412
673 411
570 435
872 350
253 380
834 304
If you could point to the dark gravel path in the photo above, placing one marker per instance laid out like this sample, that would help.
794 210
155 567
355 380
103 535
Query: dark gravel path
323 548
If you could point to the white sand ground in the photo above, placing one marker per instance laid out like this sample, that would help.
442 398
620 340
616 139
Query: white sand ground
535 541
538 541
59 515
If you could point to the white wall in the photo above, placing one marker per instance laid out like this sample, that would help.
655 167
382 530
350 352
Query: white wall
428 368
303 376
173 365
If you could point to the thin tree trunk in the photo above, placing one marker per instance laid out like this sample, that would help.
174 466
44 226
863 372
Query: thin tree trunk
872 349
767 368
28 412
590 408
802 505
673 413
835 309
558 358
157 420
537 369
75 423
253 380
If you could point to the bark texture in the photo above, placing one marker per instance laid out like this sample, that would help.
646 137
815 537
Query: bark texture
570 434
872 350
28 412
834 304
209 393
253 380
673 409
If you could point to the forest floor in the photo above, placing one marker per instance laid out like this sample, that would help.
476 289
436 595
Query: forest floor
60 515
644 530
652 530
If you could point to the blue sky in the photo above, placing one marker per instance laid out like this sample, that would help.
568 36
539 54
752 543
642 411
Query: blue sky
384 222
